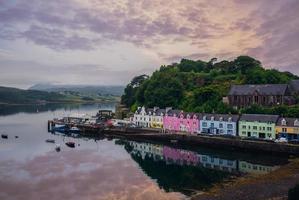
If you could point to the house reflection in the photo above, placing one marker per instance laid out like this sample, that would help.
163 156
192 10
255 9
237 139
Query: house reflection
170 155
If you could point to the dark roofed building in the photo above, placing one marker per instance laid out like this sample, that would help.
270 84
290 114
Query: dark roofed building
266 95
259 118
294 87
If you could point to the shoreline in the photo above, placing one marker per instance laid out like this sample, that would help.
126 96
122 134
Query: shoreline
55 102
215 142
274 185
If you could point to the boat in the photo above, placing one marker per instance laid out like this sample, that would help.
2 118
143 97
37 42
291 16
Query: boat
70 144
50 140
57 148
59 127
4 136
74 129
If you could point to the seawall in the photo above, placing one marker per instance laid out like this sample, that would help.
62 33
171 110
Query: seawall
212 142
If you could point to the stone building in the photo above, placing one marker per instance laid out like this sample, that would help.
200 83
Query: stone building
265 95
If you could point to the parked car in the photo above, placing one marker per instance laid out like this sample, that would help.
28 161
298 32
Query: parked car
281 140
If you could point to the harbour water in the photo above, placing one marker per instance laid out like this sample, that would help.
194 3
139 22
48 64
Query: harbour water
107 168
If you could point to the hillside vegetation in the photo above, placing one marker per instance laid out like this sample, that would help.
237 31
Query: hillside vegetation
18 96
83 90
198 86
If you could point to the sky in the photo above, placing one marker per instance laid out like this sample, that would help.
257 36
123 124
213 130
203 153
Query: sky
108 42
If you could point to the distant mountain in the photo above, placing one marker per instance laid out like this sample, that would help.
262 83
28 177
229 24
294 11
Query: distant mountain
82 90
17 96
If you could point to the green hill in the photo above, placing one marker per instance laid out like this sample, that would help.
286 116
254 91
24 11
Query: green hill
17 96
199 85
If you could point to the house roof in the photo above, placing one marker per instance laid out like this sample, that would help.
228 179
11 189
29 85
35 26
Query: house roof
148 110
289 121
217 117
294 85
259 118
266 89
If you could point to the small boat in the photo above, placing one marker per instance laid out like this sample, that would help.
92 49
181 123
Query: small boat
59 127
16 136
57 148
70 144
4 136
50 140
74 129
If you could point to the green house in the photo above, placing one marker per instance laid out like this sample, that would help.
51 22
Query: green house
257 125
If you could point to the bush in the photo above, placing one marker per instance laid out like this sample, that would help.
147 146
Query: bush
293 193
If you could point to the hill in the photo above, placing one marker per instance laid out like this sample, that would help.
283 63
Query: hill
83 90
17 96
198 86
10 95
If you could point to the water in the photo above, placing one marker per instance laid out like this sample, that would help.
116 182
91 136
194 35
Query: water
102 168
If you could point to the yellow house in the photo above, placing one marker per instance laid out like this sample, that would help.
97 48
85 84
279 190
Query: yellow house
156 117
287 128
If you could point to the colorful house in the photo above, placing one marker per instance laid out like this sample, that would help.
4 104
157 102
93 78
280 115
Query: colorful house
179 121
219 124
149 118
257 125
156 117
251 168
287 128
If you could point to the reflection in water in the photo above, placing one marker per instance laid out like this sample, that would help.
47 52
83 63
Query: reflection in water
101 168
14 109
186 171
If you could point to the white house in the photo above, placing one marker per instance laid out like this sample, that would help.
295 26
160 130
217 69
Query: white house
219 124
149 118
217 163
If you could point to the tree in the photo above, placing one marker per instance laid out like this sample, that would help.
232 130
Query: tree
246 63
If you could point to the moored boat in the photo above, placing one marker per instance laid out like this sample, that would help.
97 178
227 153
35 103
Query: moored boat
4 136
50 140
74 129
57 148
70 144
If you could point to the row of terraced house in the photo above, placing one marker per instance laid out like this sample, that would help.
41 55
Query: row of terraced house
245 125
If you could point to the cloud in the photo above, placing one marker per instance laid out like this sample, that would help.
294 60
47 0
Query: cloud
83 174
57 39
164 31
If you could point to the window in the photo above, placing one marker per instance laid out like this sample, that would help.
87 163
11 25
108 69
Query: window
269 128
229 126
283 122
284 130
212 125
243 132
204 124
254 127
220 125
244 127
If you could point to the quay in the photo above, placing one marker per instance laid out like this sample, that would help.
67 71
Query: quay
217 142
209 141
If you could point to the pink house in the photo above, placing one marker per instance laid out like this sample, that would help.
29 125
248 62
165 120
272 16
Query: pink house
178 121
180 156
